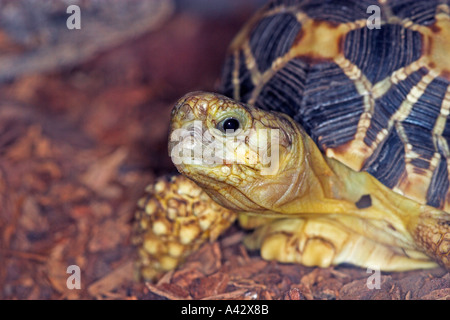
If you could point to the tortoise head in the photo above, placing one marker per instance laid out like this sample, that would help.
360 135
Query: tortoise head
245 158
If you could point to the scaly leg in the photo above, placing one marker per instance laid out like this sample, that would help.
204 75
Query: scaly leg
432 232
324 242
174 219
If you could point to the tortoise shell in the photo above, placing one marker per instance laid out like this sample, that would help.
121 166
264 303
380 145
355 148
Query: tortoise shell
375 97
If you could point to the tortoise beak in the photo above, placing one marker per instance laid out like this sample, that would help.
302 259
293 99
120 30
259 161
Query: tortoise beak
187 129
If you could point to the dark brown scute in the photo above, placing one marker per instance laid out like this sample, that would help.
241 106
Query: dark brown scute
439 185
373 52
388 164
419 12
272 37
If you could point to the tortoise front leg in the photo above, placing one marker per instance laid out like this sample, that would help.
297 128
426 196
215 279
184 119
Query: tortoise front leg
432 232
173 219
324 242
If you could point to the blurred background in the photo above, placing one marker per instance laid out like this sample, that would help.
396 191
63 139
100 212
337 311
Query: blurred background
83 129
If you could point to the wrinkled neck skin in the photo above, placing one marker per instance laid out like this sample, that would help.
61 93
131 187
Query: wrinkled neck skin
305 184
309 185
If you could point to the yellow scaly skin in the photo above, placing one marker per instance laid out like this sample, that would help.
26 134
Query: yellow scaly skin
304 209
317 194
174 218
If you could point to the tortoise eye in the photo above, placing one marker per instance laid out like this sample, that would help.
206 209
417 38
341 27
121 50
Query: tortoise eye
229 125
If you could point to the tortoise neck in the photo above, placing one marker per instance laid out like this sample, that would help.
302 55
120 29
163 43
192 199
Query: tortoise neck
322 185
330 187
314 184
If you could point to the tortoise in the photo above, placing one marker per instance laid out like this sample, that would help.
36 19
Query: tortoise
353 116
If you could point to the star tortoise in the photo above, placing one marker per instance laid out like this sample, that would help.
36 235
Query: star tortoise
329 138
